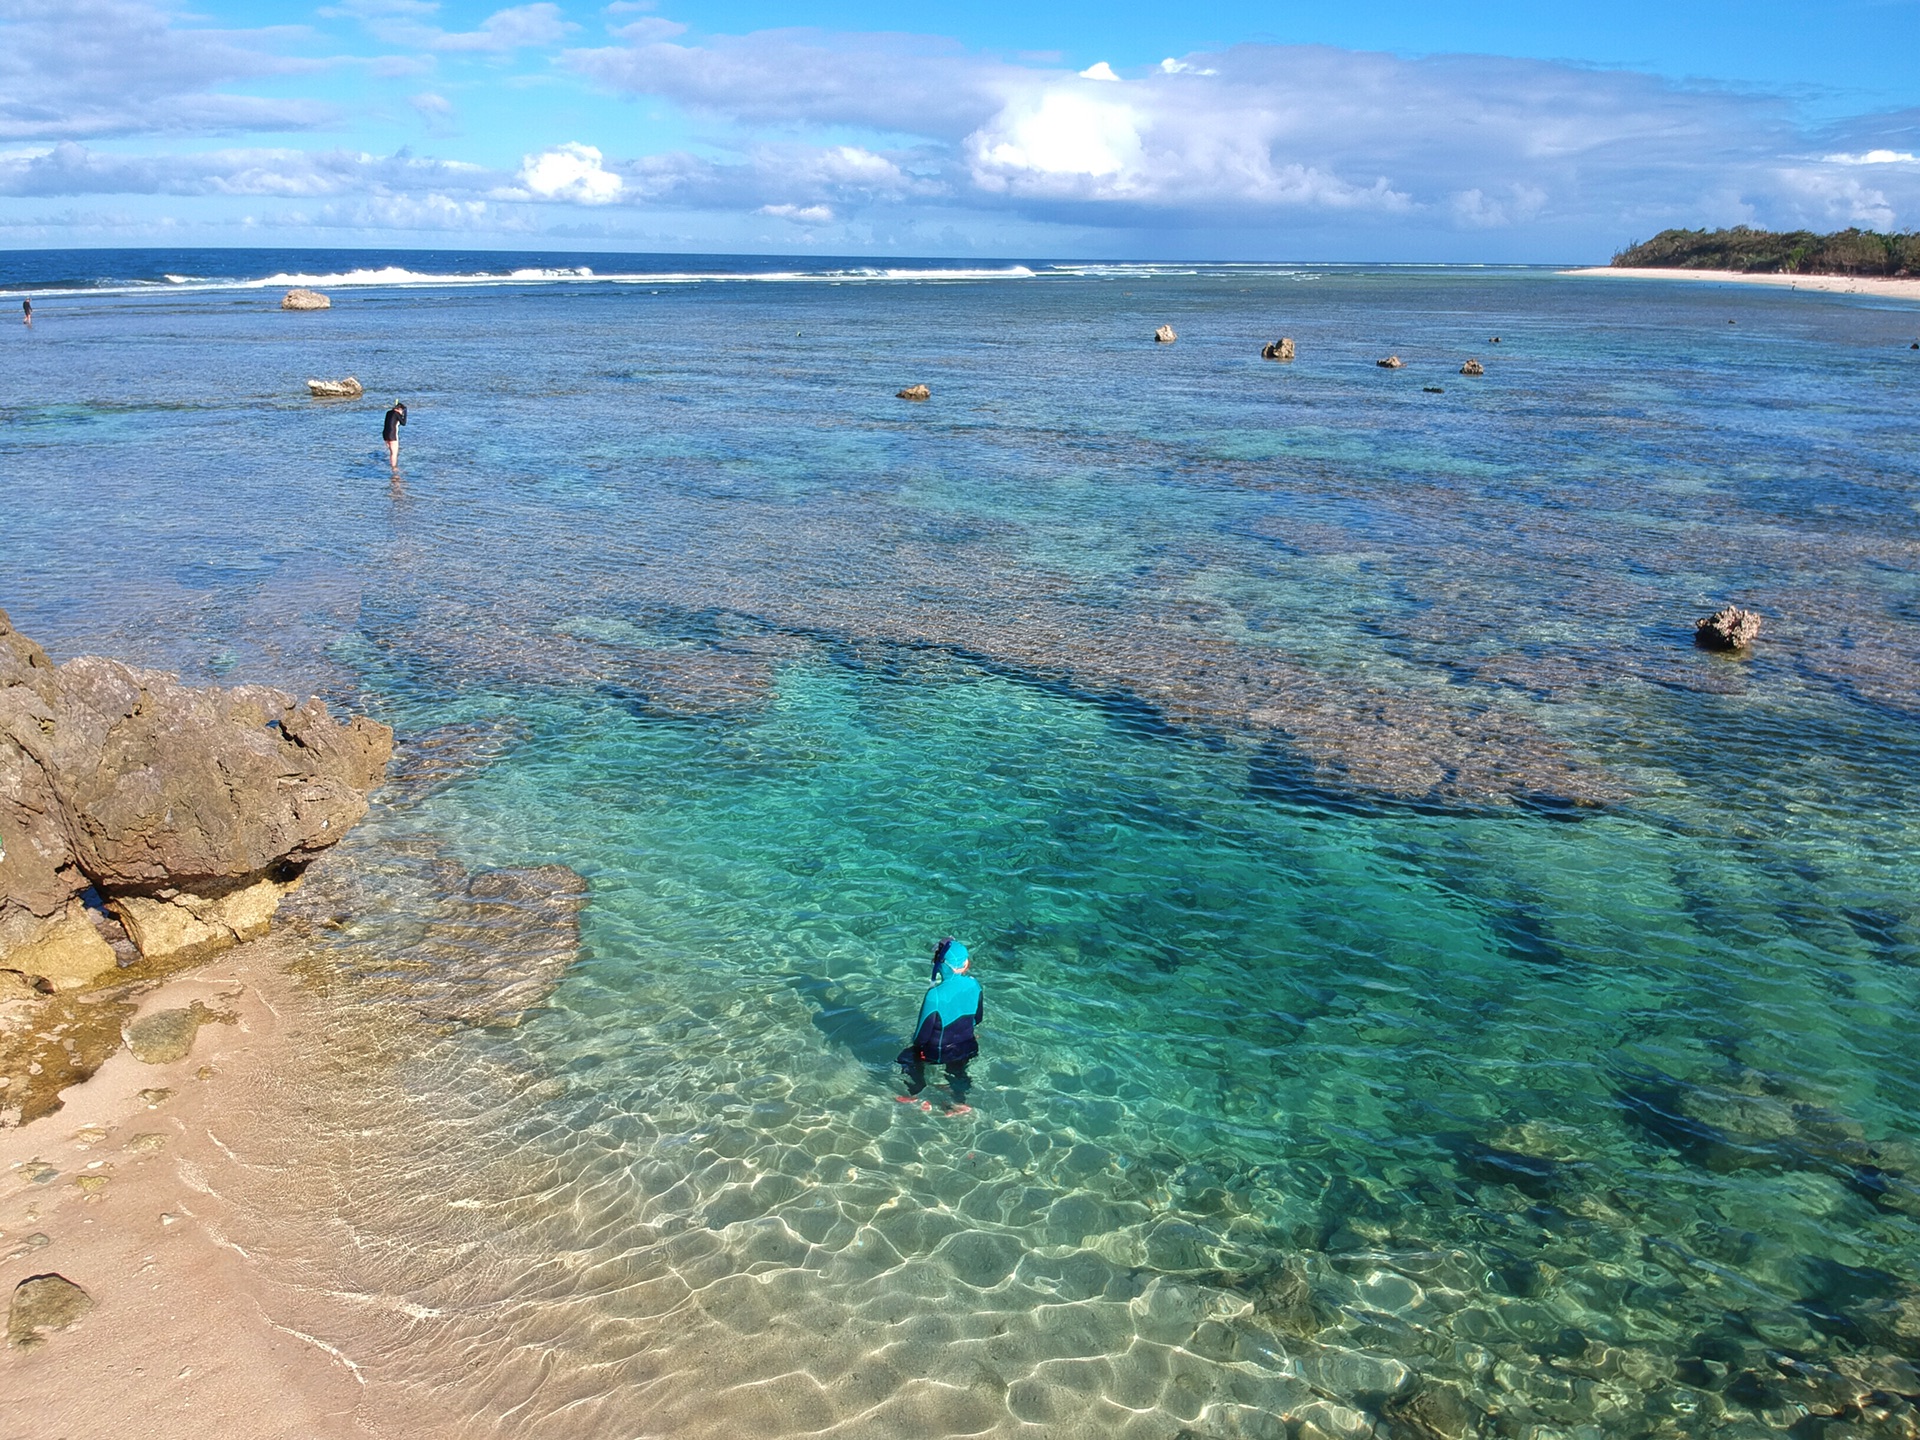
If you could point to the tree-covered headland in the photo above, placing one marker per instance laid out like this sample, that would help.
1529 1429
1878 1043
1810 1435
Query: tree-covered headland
1791 252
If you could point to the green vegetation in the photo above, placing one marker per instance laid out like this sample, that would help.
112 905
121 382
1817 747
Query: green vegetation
1793 252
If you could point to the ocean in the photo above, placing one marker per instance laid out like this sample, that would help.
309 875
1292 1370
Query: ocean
1425 995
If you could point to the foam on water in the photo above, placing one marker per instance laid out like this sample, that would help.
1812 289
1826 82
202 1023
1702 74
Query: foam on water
1423 992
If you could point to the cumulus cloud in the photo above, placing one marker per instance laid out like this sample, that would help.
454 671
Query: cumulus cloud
73 69
571 172
1468 142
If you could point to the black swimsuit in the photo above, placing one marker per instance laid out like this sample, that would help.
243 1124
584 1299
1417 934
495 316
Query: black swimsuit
396 417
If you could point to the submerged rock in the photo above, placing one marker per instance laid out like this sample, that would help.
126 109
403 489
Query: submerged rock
1730 628
1473 367
1392 362
168 1035
915 392
189 811
1281 349
305 300
1164 335
347 389
43 1304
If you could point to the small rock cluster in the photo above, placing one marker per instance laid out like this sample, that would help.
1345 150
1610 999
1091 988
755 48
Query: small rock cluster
305 300
915 392
347 389
1281 349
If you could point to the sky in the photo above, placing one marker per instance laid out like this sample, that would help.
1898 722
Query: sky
1201 131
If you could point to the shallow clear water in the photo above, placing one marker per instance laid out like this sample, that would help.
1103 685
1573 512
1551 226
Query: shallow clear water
1423 990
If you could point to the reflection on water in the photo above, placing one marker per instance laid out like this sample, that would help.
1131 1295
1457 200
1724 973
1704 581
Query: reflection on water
1424 994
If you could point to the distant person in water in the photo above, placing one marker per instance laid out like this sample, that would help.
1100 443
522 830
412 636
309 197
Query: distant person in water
944 1033
390 432
26 313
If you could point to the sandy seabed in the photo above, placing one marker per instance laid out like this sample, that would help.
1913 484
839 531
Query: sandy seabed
1903 289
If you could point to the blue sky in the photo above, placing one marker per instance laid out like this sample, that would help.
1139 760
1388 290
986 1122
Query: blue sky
1204 131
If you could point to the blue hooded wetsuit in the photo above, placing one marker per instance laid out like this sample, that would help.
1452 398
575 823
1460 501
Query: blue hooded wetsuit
944 1034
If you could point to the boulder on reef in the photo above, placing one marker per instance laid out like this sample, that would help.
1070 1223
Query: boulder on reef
1392 362
1164 335
1730 628
305 300
915 392
347 389
187 811
1473 367
1281 349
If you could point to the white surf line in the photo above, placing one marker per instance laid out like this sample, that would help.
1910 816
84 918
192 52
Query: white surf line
314 1341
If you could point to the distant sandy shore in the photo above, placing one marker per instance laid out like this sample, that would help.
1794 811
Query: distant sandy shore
1836 284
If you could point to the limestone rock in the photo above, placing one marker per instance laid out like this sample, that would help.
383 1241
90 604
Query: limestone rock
1729 628
181 926
167 1035
1164 335
347 389
1473 367
1281 349
915 392
1392 362
43 1304
150 790
68 952
305 300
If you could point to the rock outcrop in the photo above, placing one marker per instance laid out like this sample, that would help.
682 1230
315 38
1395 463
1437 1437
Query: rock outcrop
1281 349
1473 367
1392 362
1164 335
347 389
305 300
186 812
915 392
1730 628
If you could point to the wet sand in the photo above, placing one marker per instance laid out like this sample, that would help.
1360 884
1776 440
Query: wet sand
179 1342
1891 289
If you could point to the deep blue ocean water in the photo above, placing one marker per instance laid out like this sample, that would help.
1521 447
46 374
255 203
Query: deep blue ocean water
1424 991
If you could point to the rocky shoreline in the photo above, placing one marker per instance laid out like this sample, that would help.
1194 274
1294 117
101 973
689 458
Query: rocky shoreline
145 826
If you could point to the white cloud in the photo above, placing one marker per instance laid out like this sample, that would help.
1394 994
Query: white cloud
1057 139
404 23
72 169
571 172
1099 70
71 69
1171 66
800 214
1874 157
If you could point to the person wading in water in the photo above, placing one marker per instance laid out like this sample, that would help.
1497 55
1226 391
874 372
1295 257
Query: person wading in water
390 431
943 1035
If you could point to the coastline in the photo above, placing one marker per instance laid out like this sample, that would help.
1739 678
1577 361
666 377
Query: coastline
1883 286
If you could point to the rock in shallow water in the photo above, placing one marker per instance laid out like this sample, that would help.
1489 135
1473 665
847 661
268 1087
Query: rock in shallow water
915 392
167 1035
305 300
1281 349
43 1304
1729 628
1164 335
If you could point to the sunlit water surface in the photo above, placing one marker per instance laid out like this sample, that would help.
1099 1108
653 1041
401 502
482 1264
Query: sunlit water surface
1423 992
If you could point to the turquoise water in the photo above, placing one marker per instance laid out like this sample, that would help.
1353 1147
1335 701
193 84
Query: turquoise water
1424 993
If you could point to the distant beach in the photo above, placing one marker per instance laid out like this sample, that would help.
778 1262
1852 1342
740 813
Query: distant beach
1903 289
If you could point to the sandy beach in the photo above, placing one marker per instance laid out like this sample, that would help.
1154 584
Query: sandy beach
1904 289
120 1192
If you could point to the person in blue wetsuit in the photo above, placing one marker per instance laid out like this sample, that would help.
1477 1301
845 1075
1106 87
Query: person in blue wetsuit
944 1033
